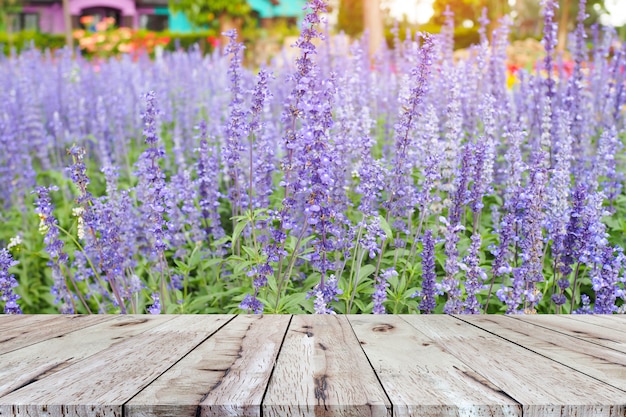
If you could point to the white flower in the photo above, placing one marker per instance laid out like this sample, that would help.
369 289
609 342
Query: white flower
78 212
15 241
43 227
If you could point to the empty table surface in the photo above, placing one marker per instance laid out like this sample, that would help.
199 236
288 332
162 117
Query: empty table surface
305 365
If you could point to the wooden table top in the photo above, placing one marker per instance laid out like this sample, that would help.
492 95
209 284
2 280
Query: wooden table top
305 365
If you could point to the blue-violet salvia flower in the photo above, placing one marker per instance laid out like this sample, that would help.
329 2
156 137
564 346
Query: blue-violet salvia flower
155 308
54 247
380 290
7 283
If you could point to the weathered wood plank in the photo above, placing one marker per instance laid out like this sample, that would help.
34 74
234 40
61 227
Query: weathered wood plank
582 330
594 360
322 371
603 320
423 380
543 387
23 336
13 321
226 375
99 385
27 365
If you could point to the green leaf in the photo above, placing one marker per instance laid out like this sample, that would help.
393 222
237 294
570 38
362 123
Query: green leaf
251 252
365 271
237 232
386 228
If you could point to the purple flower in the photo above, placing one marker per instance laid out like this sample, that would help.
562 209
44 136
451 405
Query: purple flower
78 173
182 212
325 293
474 277
208 183
7 283
605 165
559 187
479 184
461 195
303 81
576 83
151 189
501 263
526 277
575 238
402 193
380 290
155 308
237 128
371 234
515 165
251 303
261 147
549 41
54 247
429 277
586 305
450 284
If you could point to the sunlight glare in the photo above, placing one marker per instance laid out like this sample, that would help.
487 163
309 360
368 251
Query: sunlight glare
416 11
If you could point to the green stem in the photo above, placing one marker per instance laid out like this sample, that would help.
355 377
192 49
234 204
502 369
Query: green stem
571 310
292 261
356 280
82 250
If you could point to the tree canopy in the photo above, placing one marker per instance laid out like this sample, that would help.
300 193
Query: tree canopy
208 12
528 21
350 17
7 7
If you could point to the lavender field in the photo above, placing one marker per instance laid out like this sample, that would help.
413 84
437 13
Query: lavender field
333 183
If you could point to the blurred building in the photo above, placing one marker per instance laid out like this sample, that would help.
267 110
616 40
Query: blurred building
269 11
47 15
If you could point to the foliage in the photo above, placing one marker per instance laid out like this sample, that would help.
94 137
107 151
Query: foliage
8 7
203 12
350 17
135 42
463 37
25 40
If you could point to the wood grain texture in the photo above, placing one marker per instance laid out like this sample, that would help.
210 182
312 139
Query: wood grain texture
544 387
423 380
580 329
13 321
426 366
32 363
23 336
99 385
226 375
605 364
322 371
603 320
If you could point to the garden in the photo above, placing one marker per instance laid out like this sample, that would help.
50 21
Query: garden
335 182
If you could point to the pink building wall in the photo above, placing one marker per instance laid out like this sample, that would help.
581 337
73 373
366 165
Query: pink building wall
51 17
127 7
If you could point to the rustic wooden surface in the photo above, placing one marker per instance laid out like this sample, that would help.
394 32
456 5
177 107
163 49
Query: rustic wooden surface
355 365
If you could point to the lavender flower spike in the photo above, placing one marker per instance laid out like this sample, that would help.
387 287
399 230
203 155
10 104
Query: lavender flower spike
549 41
151 189
237 127
54 247
7 283
380 293
429 277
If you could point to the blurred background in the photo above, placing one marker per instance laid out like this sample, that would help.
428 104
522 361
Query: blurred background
108 27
